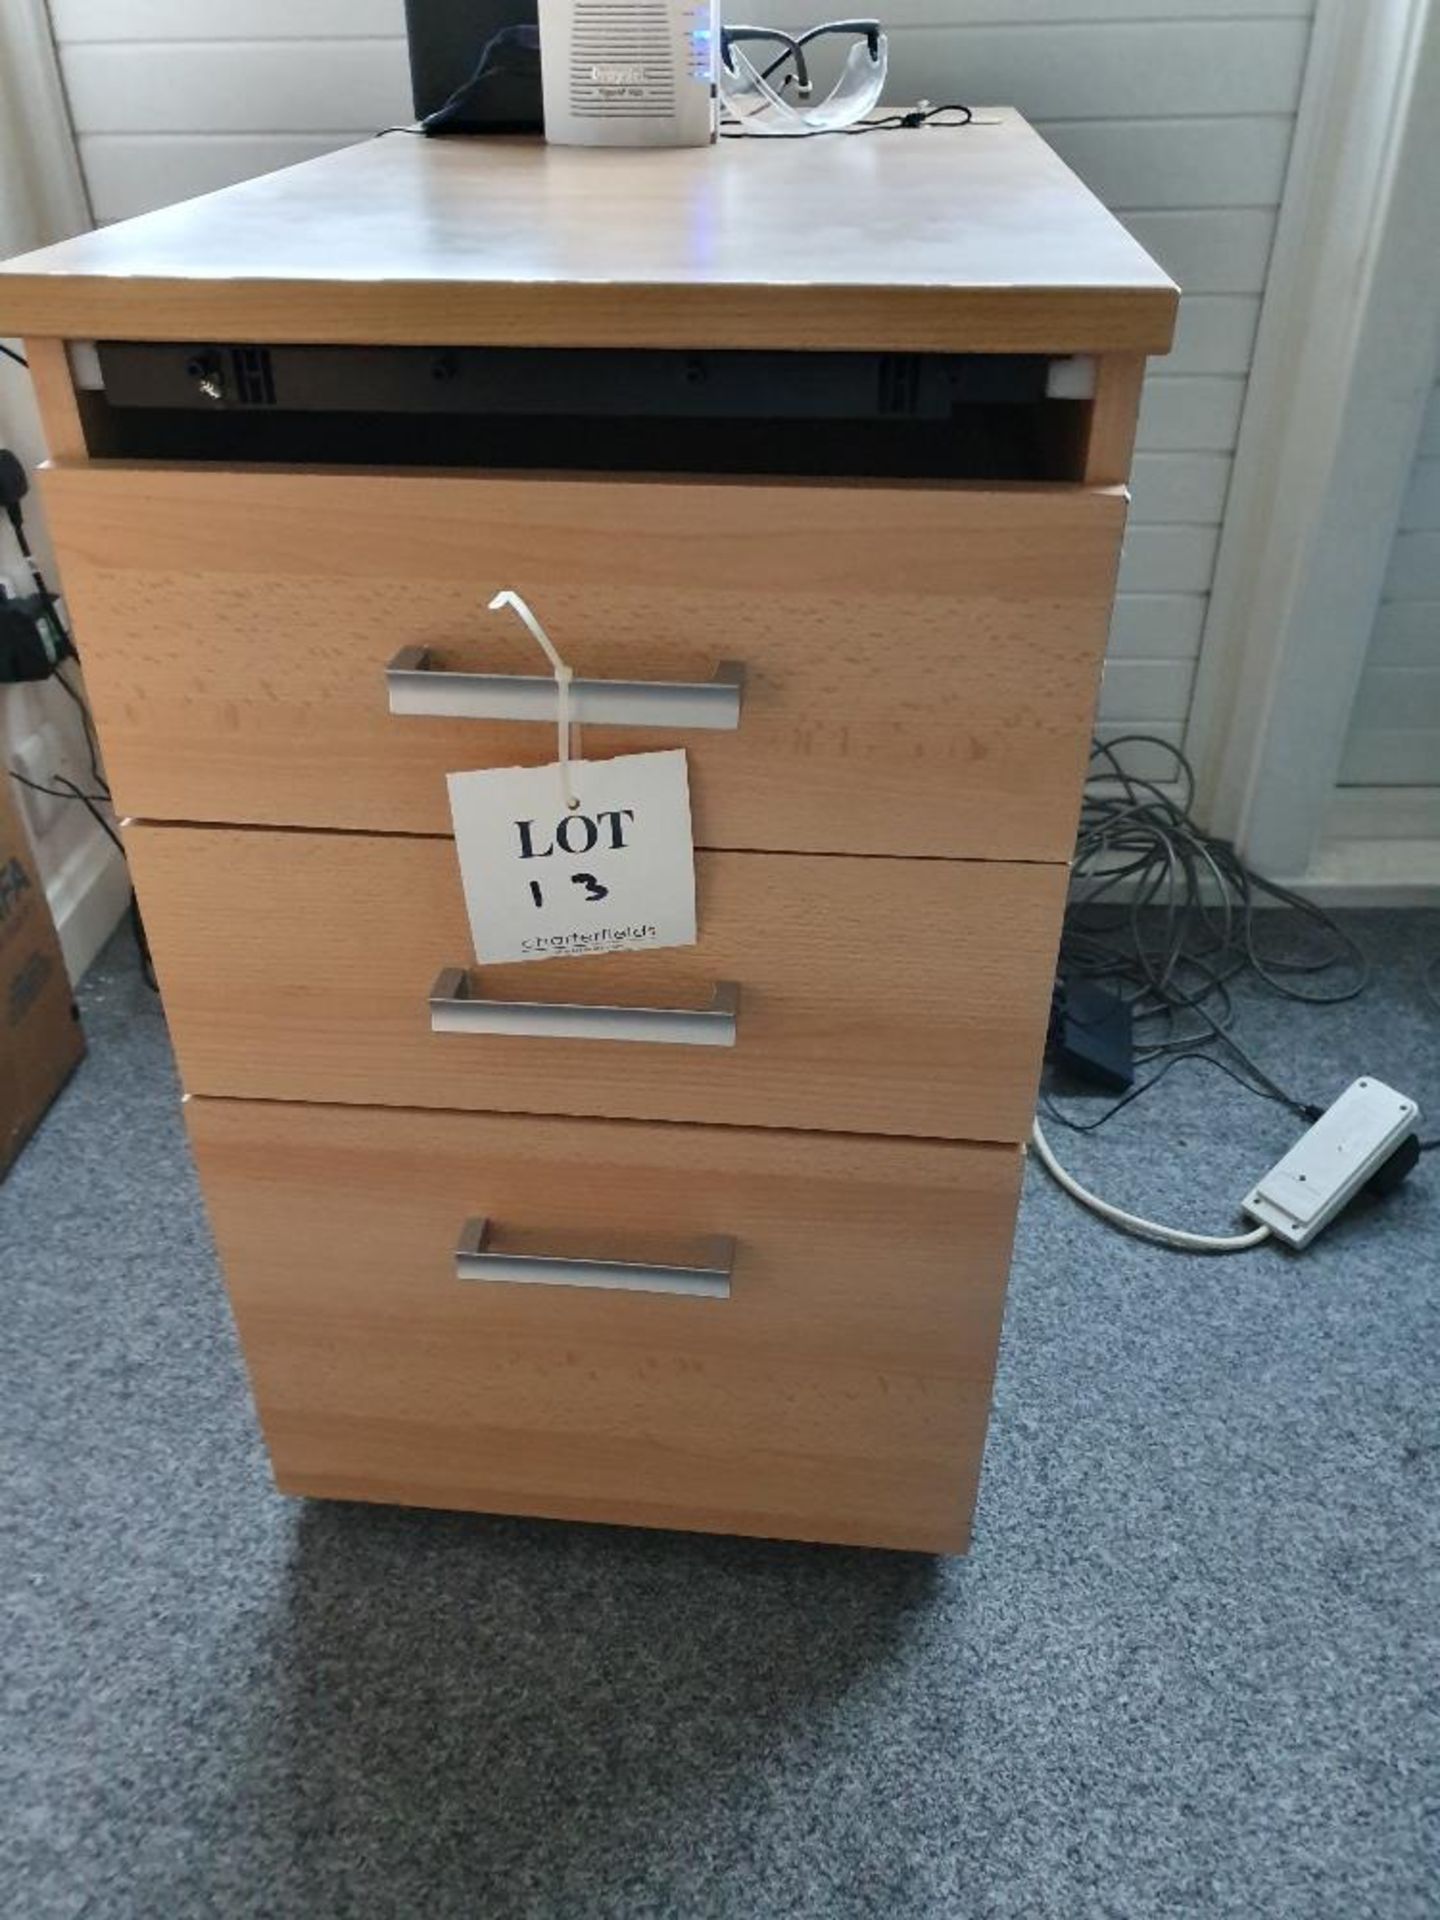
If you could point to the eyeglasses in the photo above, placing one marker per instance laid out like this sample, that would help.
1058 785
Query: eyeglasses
796 43
761 107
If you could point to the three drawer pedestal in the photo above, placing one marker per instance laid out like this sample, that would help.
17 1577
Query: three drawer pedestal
589 1264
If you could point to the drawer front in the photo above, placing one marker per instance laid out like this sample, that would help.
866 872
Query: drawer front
838 1390
879 996
920 662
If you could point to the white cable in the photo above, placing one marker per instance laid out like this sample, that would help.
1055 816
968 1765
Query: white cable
1132 1222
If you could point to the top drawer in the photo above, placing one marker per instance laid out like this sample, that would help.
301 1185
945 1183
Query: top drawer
920 661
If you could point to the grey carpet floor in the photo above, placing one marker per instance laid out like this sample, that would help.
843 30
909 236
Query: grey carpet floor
1190 1667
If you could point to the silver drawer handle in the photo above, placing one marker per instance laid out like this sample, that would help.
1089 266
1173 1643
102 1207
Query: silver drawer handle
456 1008
710 1279
418 688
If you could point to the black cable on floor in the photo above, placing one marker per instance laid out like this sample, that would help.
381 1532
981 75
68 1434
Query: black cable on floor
1168 917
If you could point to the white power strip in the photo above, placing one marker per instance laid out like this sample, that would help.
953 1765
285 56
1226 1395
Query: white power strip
1301 1194
1326 1168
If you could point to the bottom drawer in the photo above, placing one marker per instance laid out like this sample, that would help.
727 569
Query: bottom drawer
773 1333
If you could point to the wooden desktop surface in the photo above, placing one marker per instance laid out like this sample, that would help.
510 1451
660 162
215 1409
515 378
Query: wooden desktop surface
941 239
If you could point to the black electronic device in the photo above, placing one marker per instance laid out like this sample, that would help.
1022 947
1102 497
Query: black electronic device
654 410
601 382
33 636
28 648
1092 1034
475 65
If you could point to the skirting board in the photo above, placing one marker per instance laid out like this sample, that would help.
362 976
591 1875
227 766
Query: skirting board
1354 873
1373 873
1383 813
1380 848
88 897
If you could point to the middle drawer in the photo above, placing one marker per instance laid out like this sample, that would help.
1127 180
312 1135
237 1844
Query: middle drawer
874 996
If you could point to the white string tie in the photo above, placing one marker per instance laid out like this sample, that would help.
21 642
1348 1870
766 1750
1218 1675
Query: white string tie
563 677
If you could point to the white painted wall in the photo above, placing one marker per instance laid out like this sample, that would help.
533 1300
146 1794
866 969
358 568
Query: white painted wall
1178 112
1395 728
40 201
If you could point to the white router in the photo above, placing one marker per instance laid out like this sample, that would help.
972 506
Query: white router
629 73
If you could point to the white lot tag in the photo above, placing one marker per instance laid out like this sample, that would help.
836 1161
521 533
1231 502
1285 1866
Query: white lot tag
614 874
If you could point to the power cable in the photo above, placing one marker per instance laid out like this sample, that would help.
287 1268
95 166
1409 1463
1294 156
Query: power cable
1167 918
1136 1224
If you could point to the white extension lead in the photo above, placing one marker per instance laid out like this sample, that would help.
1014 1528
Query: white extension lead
1133 1222
1302 1193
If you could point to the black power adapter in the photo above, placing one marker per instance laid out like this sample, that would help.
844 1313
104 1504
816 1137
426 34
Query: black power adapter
1092 1034
33 639
28 648
13 486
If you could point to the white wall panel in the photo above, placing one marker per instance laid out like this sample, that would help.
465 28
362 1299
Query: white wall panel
1209 252
1145 690
311 86
1414 566
1430 432
1185 415
1383 759
1406 635
1178 113
130 173
1234 162
77 20
89 20
1157 626
1168 560
1395 727
1397 699
1216 334
1186 489
1095 71
1422 501
1038 13
1145 762
1081 72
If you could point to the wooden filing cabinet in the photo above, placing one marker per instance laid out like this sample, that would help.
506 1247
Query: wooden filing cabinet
780 1263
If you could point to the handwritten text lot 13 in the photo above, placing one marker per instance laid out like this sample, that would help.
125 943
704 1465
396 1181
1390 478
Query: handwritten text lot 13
614 873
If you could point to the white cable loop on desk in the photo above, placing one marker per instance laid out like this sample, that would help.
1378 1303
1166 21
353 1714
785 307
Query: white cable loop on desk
1133 1222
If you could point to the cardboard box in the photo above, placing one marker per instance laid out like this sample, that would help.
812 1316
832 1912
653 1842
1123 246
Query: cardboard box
41 1043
